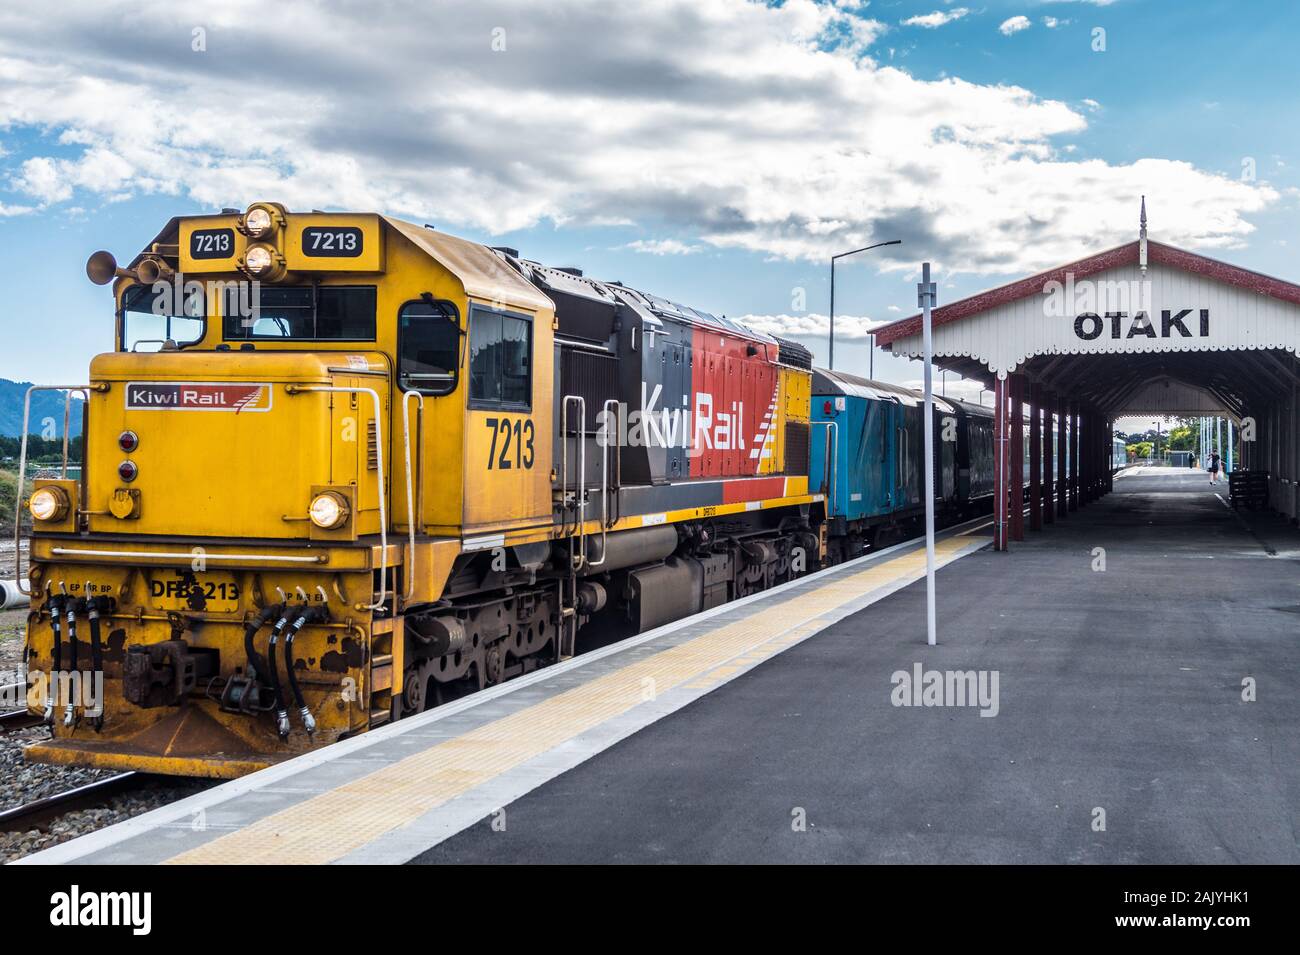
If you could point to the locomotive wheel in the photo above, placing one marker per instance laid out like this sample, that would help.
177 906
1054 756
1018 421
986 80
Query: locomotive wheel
494 664
413 693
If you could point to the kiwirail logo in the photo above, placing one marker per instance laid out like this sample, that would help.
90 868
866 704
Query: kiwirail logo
102 910
921 687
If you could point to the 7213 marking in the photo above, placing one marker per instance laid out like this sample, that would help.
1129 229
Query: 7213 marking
513 436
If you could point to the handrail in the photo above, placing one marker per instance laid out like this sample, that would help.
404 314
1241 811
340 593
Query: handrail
19 580
379 461
579 496
187 555
604 476
833 454
411 509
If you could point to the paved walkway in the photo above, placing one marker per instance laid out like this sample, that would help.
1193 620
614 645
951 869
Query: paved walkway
388 795
1120 690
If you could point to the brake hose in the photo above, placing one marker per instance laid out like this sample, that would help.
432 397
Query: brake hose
56 602
74 679
281 714
309 615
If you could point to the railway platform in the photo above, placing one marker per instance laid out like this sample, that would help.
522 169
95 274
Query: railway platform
1117 728
388 795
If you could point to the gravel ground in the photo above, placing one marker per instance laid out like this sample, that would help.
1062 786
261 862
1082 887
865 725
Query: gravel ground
21 782
7 555
15 845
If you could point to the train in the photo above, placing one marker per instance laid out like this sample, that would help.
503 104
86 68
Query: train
342 468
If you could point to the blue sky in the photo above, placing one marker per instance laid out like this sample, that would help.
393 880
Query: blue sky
744 143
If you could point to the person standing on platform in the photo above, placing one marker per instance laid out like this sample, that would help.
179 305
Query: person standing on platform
1214 467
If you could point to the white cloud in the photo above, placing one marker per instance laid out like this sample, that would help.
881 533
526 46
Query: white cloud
961 389
1092 105
662 247
1052 23
809 325
937 19
1014 25
726 123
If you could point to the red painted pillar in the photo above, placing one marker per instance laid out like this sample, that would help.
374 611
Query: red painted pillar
1035 458
1016 457
1085 458
1000 464
1108 449
1049 468
1074 456
1062 453
1097 472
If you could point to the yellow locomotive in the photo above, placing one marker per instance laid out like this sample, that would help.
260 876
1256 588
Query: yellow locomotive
340 468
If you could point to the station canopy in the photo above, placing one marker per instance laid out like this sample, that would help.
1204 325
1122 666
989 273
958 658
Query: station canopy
1165 331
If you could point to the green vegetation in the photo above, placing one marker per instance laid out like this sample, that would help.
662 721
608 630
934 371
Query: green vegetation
39 450
8 487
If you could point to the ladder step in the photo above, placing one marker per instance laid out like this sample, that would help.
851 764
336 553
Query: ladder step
381 675
379 717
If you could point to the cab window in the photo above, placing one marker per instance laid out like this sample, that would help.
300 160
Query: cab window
428 347
500 359
299 313
153 315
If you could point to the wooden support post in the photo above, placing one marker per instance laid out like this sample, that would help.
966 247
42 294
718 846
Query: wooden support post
1000 464
1074 457
1035 458
1062 454
1016 458
1110 460
1085 458
1049 458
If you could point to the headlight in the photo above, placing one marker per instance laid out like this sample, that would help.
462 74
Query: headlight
257 259
328 510
257 222
49 504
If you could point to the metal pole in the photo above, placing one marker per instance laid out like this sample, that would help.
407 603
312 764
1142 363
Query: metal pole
830 361
925 293
1230 444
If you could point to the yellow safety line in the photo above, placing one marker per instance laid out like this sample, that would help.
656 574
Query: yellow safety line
332 824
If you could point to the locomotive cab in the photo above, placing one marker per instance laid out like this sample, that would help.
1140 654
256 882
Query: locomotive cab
292 398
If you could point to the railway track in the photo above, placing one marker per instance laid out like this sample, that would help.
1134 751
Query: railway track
18 720
39 813
15 719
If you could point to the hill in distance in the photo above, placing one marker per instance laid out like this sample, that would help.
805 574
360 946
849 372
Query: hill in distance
47 406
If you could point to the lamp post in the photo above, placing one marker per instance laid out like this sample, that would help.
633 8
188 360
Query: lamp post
830 362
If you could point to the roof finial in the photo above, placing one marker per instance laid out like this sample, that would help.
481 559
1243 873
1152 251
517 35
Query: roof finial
1142 239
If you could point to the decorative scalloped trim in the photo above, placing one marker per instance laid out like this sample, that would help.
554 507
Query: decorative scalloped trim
1002 372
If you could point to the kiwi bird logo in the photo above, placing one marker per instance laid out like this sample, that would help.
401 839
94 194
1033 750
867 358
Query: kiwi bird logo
250 397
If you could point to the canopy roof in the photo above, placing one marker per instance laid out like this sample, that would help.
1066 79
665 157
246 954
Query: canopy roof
1143 328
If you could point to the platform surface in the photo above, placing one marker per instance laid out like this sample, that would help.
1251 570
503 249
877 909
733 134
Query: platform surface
1121 690
389 795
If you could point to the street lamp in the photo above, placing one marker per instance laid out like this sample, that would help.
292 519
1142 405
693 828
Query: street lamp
843 255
